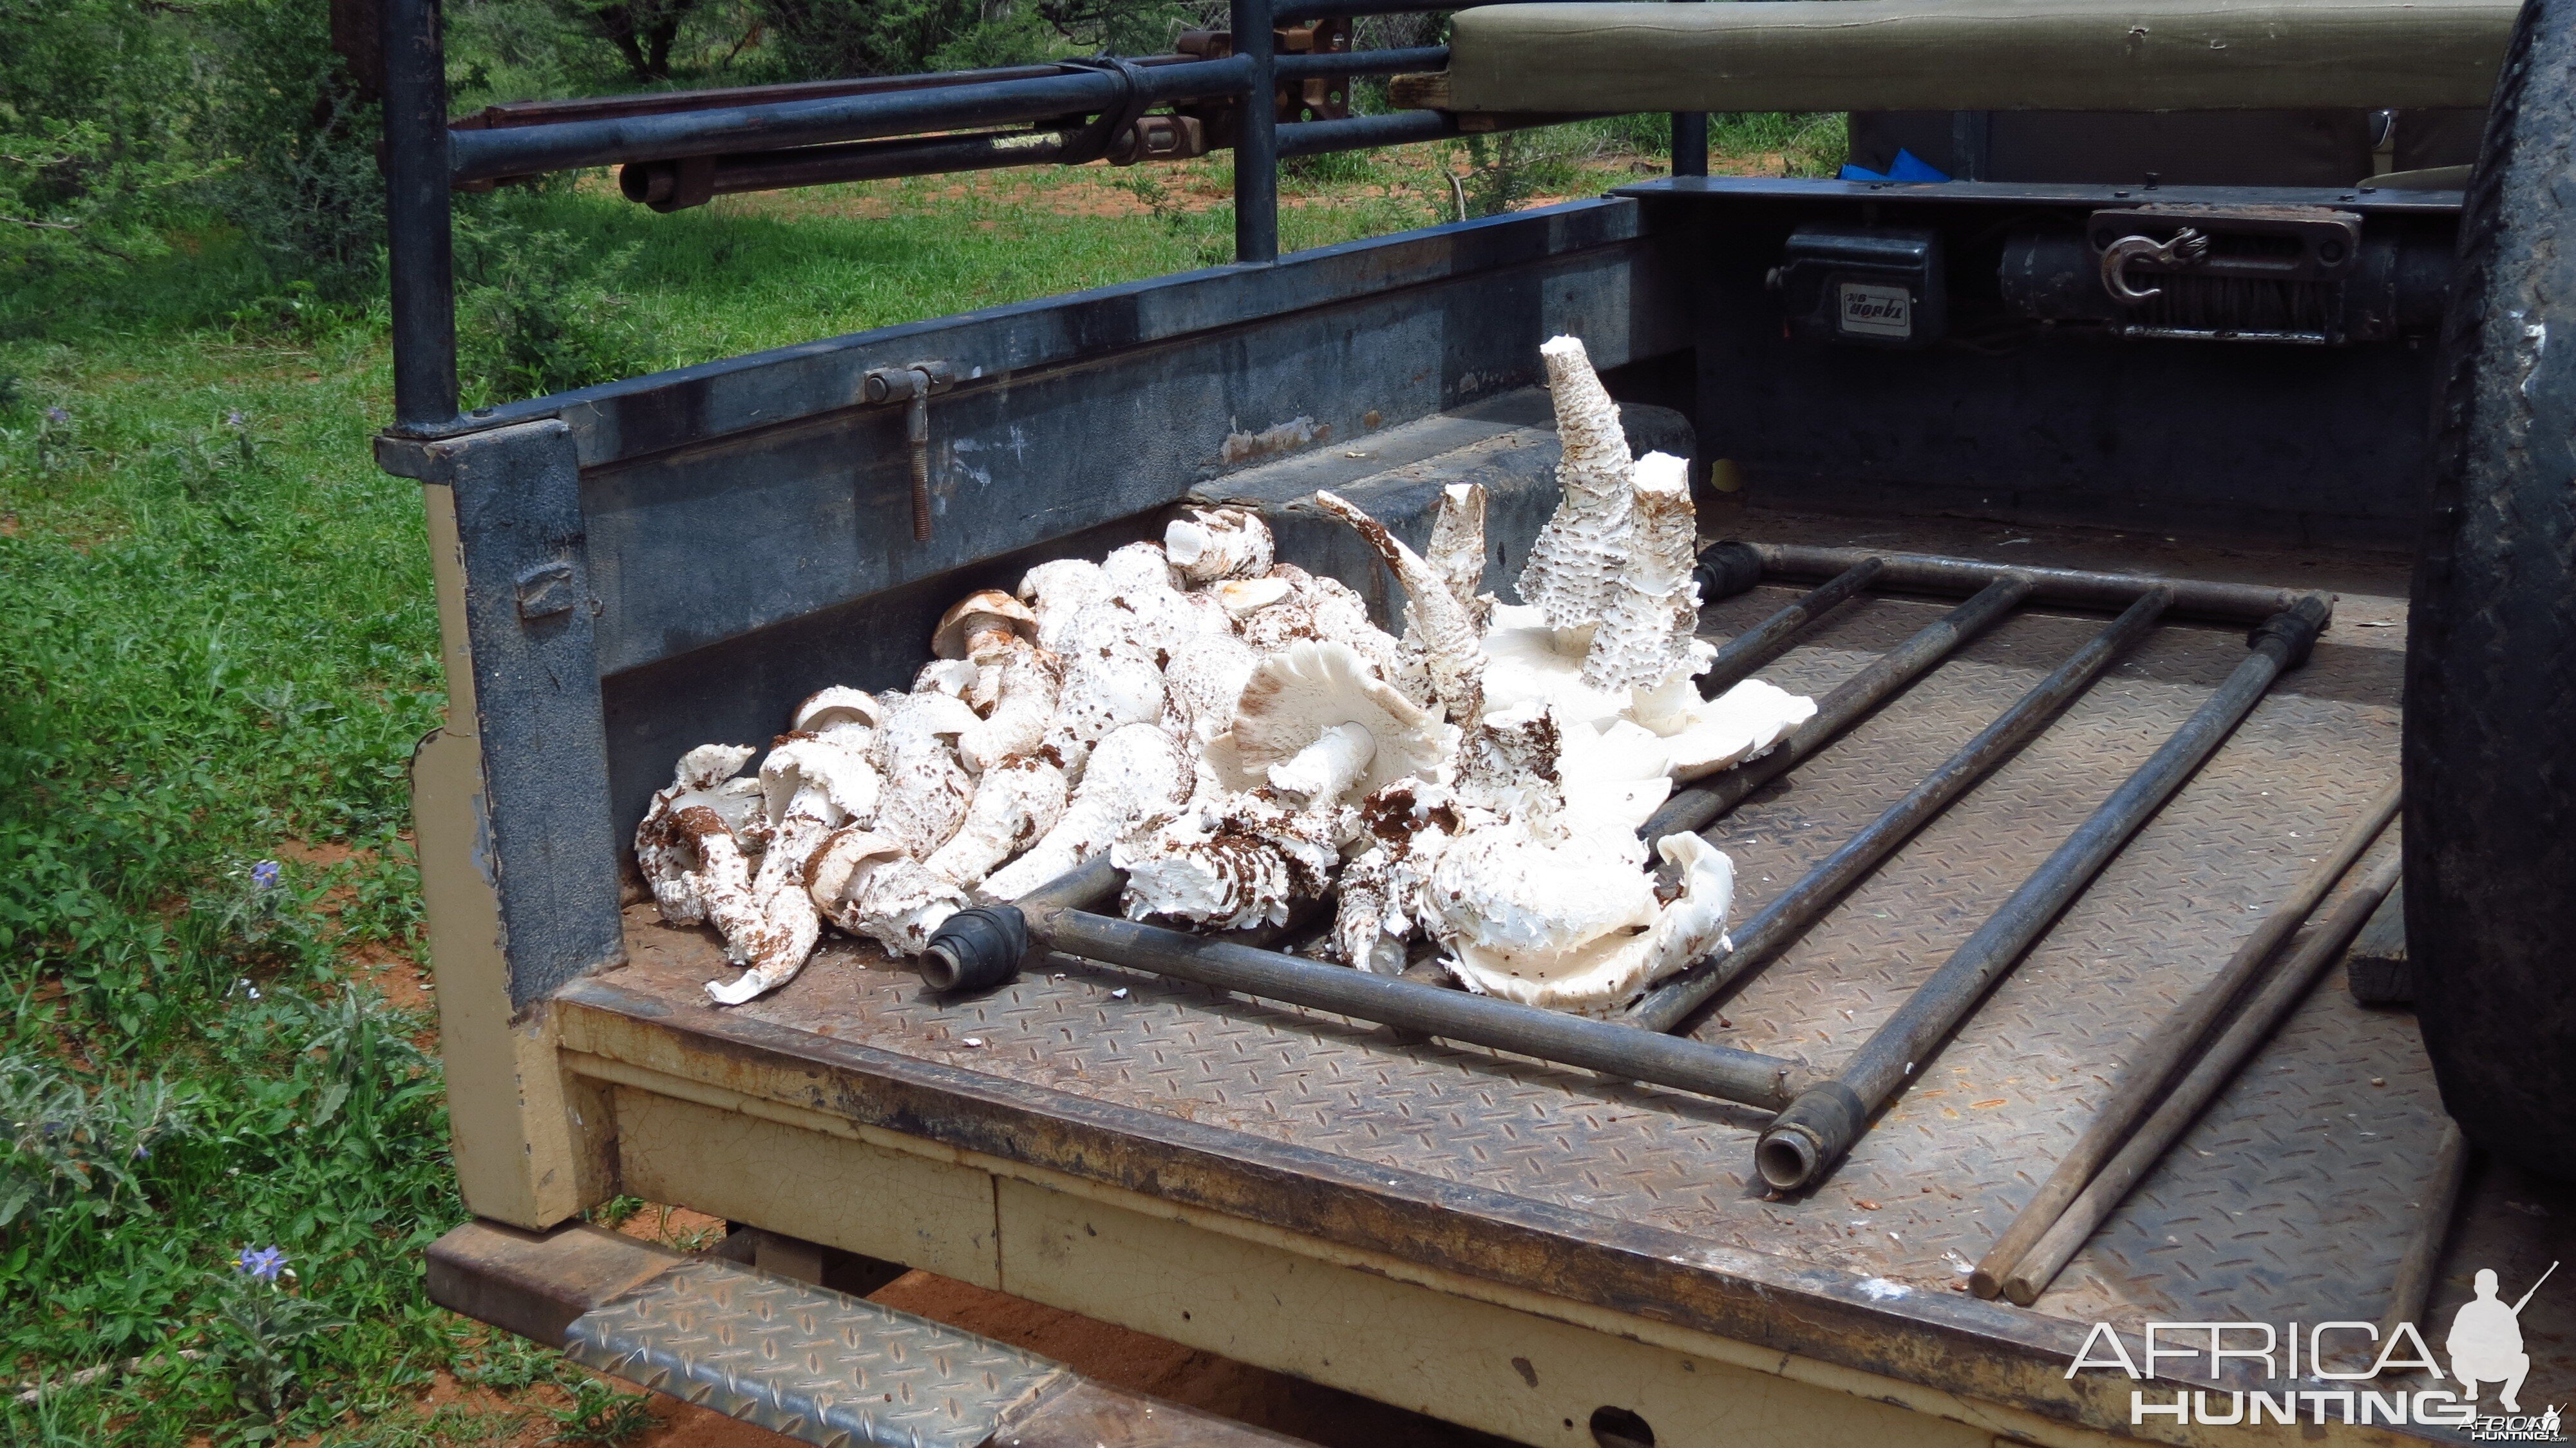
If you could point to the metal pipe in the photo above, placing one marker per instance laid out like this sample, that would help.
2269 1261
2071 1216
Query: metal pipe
419 235
1614 1050
650 103
1256 133
1674 1000
480 155
2271 1004
1693 809
2163 1056
1690 143
1816 1130
1754 647
2423 1255
1393 60
662 185
2193 598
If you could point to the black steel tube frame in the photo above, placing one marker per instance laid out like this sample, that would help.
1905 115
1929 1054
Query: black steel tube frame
1890 673
2193 598
1679 997
1395 60
1614 1050
1690 143
482 155
1821 1125
1755 646
420 237
1256 134
854 161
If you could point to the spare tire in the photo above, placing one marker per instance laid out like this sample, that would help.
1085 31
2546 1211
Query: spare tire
2490 746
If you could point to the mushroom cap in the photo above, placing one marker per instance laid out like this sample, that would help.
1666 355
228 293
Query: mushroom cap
989 608
835 706
828 872
1243 596
1296 694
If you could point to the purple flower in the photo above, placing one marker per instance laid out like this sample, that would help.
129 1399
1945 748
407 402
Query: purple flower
264 874
58 414
263 1263
234 418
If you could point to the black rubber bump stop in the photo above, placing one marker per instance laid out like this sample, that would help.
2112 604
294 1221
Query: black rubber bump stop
1805 1141
975 948
2294 628
1727 569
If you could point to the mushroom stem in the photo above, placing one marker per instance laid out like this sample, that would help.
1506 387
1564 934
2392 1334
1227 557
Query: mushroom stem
1323 770
1457 551
1449 640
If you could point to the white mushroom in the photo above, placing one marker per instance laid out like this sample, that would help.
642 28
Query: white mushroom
1018 800
1056 591
847 716
770 937
1202 683
867 885
1578 552
1448 639
1138 778
1702 736
952 677
1652 613
1316 608
1243 597
1110 681
984 630
1138 566
926 790
1027 683
666 852
1607 970
1299 693
1218 543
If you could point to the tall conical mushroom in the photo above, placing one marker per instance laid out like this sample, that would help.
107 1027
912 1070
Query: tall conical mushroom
1577 554
1652 611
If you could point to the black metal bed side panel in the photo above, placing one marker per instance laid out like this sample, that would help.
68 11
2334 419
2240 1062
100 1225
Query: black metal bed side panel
2295 445
531 621
769 555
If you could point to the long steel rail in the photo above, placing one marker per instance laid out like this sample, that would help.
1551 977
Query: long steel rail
1819 1114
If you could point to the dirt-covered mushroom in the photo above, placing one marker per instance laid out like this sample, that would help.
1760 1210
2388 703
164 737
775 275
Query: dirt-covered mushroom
1437 616
1403 829
1210 544
1027 684
1139 777
982 624
1202 683
666 852
1308 688
1110 681
1016 802
926 789
866 884
1231 863
840 713
1057 590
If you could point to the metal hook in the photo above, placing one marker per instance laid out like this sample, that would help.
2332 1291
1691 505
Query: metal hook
2187 247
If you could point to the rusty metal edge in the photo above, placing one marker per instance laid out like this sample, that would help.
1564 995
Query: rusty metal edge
1991 1351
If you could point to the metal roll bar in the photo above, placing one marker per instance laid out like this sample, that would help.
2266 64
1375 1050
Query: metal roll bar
680 150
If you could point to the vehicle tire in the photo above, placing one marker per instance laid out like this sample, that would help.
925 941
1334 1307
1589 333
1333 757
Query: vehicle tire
2490 731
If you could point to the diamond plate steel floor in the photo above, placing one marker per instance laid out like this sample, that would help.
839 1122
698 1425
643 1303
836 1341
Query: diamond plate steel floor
2291 1200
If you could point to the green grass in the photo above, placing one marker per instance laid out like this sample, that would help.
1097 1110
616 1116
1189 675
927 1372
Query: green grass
219 650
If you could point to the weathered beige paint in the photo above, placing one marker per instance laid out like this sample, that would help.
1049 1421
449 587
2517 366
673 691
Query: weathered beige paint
837 1187
841 1193
532 1144
2095 55
1471 1363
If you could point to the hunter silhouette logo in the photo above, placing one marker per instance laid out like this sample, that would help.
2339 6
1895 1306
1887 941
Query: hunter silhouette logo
2331 1372
2486 1342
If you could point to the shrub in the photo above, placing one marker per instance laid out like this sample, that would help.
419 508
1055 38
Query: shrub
538 310
95 112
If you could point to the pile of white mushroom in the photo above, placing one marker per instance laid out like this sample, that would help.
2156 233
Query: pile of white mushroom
1249 747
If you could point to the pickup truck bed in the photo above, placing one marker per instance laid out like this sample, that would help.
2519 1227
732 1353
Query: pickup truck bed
1548 1191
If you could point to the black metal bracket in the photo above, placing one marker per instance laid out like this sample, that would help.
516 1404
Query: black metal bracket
912 385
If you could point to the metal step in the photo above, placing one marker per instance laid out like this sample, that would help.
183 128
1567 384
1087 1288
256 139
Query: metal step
804 1361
